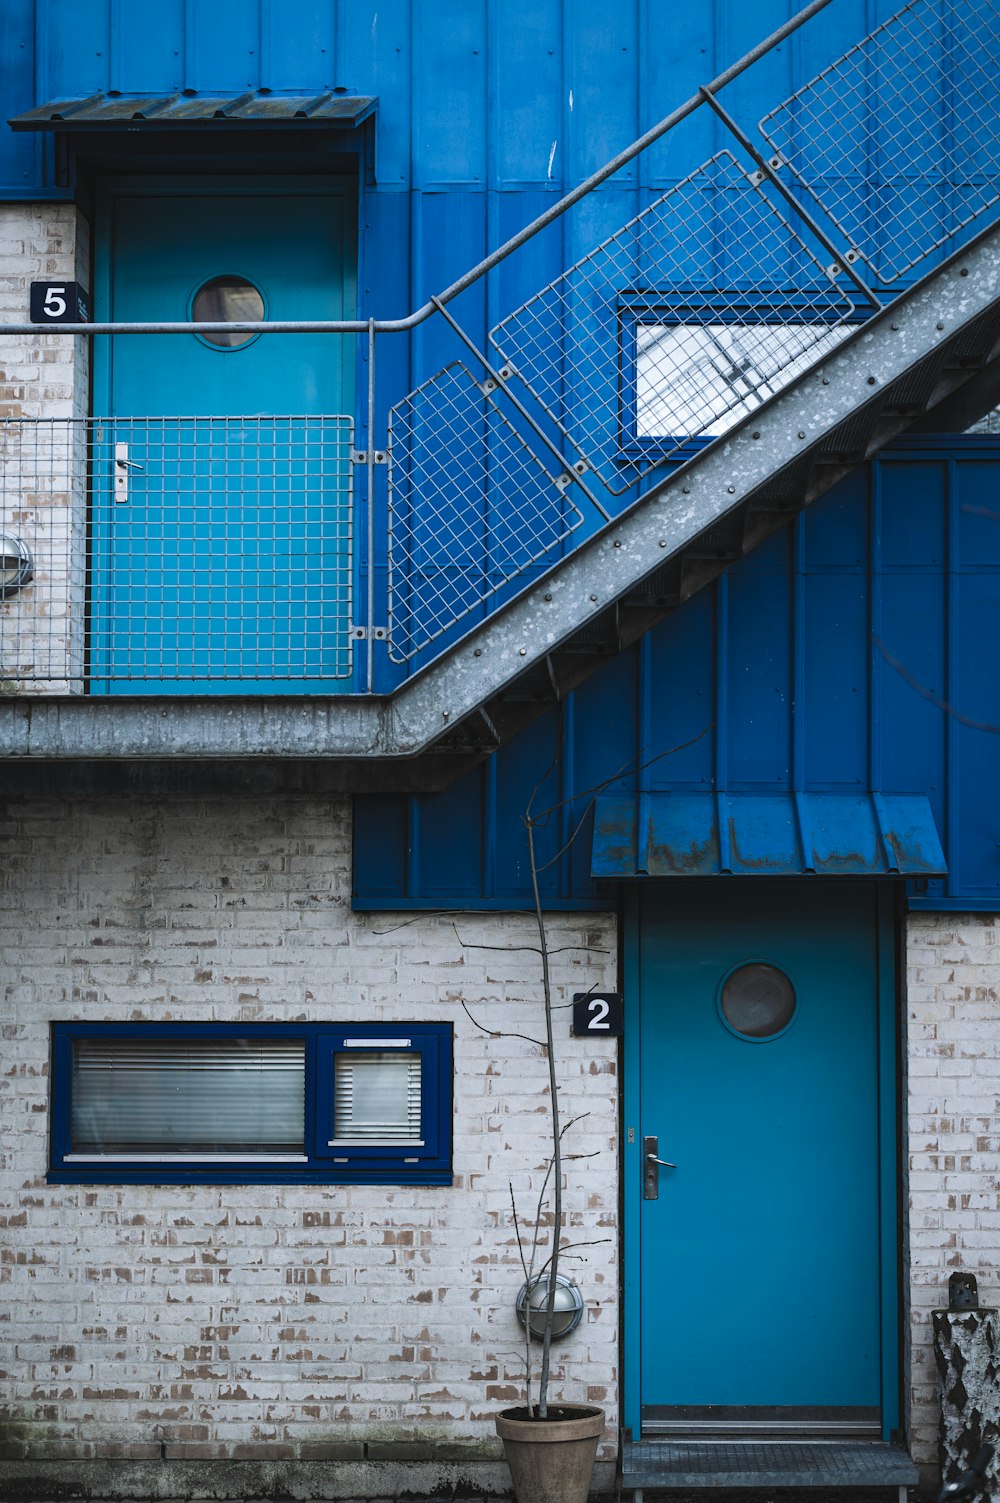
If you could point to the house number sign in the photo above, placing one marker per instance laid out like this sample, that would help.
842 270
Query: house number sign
59 303
597 1014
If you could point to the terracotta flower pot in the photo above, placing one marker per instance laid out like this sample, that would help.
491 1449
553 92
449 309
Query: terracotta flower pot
551 1460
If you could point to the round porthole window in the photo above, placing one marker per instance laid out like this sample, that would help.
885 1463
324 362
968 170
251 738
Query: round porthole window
757 1001
227 300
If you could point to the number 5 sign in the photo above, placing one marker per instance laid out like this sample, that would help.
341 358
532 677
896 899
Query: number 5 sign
59 303
597 1014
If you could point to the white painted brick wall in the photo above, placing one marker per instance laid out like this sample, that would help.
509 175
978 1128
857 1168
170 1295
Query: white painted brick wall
44 379
247 1321
243 1321
953 1124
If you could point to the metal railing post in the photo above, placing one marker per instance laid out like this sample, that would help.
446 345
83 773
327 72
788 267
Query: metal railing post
370 472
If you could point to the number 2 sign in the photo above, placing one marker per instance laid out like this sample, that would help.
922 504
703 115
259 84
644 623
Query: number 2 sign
597 1014
59 303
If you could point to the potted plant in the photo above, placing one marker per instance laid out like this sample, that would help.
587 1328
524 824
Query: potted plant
550 1448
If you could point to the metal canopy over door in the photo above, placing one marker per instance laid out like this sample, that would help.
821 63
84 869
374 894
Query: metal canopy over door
220 558
761 1265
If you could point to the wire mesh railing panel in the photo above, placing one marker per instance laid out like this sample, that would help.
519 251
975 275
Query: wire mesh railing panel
183 552
215 554
471 509
230 558
43 523
898 142
676 327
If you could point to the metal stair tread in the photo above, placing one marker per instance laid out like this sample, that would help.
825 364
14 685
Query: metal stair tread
765 1463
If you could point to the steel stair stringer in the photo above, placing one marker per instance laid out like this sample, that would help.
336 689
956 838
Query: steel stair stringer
915 358
930 360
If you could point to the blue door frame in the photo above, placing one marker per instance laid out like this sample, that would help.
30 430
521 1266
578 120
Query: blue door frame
882 908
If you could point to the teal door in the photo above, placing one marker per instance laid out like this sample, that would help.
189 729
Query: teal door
763 1256
221 480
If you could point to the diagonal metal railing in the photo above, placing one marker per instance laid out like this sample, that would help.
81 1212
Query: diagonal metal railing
671 330
658 338
894 144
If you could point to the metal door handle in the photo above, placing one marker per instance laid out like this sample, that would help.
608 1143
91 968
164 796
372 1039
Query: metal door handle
123 465
651 1168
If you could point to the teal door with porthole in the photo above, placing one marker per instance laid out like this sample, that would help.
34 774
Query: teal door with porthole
220 463
760 1068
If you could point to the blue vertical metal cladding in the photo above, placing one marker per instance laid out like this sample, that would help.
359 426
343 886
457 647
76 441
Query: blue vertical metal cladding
852 653
501 95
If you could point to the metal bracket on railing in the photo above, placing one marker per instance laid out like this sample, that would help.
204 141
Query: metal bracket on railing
499 380
369 633
767 171
360 456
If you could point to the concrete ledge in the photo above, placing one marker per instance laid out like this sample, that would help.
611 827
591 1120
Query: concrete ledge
404 1476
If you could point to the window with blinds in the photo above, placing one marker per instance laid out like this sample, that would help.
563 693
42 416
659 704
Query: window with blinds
214 1103
134 1096
376 1098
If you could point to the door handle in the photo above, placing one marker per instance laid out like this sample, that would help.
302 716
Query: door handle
651 1163
122 467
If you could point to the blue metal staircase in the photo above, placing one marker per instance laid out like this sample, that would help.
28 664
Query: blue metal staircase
645 420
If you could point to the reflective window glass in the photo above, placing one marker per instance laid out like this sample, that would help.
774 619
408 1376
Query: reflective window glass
757 1001
230 300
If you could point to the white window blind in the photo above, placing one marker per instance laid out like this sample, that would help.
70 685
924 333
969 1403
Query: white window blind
376 1098
226 1095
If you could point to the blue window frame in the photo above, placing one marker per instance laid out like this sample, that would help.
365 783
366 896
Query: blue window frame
264 1103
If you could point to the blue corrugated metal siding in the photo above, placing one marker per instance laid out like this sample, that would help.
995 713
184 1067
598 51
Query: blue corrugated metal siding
487 109
853 651
474 94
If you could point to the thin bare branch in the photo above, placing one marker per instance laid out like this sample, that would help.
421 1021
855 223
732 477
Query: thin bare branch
556 1165
569 1247
517 1228
467 944
493 1034
471 944
931 697
554 762
418 918
601 787
626 768
527 1280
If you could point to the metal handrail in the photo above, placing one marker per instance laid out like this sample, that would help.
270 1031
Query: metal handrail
650 344
475 273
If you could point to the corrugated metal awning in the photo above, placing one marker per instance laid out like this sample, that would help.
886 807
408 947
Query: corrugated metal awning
744 834
258 107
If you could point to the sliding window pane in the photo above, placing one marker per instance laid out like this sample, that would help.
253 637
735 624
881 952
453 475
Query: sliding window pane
377 1097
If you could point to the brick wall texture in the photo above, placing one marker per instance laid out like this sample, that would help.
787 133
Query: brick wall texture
952 1120
44 378
248 1321
263 1321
